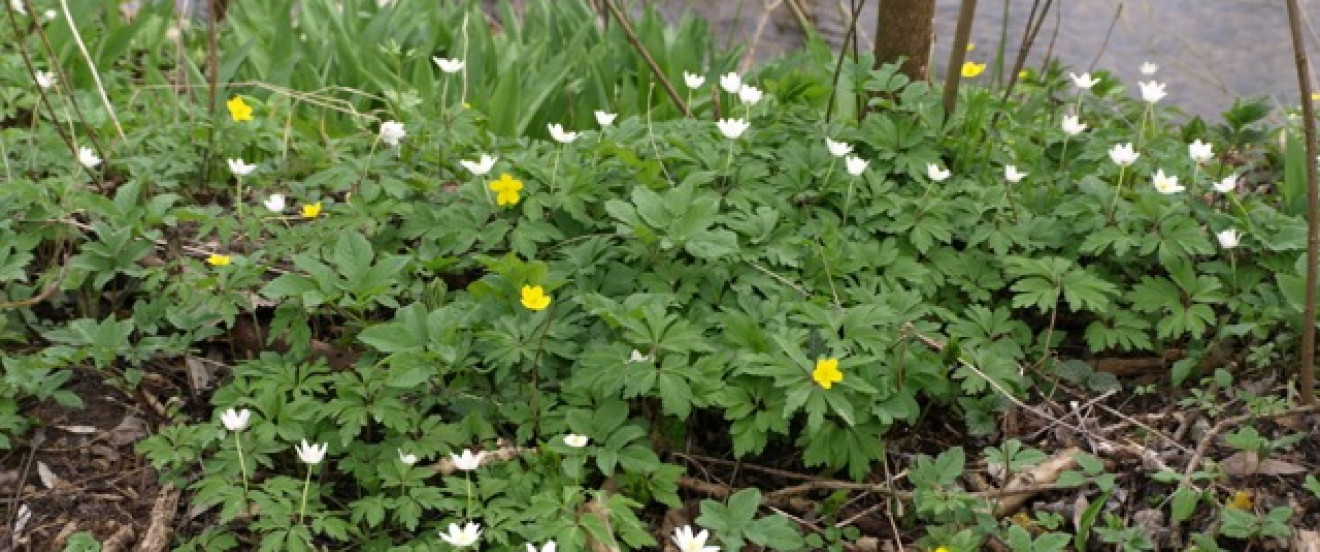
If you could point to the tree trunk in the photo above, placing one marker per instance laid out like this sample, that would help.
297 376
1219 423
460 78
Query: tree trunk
905 29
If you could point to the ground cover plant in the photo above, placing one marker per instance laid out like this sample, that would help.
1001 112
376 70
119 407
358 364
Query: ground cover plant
420 279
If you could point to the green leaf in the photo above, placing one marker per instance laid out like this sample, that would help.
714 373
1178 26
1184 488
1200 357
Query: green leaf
1184 504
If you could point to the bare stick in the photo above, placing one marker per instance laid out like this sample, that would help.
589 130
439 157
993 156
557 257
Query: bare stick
650 61
1306 372
91 65
32 71
1104 45
953 73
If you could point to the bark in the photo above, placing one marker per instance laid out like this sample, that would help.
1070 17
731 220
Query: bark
905 29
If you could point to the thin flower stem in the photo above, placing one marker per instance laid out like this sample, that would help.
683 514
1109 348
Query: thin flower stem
1118 191
444 116
302 508
830 170
1232 267
242 465
1063 157
728 162
467 510
485 188
1145 119
847 201
238 195
554 174
366 167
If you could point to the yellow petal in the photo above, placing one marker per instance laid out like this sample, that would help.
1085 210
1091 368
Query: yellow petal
239 110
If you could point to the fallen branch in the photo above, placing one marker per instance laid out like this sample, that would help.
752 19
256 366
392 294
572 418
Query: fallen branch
157 538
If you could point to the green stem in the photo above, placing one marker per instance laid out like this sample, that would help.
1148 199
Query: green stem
1063 157
847 201
238 195
554 175
1118 191
302 508
728 161
242 465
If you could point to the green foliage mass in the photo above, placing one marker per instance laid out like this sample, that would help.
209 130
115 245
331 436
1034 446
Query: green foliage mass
695 280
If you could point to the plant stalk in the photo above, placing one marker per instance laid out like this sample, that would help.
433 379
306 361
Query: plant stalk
1306 371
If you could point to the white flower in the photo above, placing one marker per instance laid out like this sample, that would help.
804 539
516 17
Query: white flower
449 65
605 118
731 83
18 6
481 166
637 356
462 537
1084 80
45 79
1228 239
557 132
686 542
467 461
239 168
1149 68
576 441
749 94
235 420
311 454
838 149
1166 184
1227 185
693 81
855 165
1152 91
1123 154
1200 151
1073 125
549 547
88 157
408 459
936 173
1012 174
391 132
732 128
274 203
49 15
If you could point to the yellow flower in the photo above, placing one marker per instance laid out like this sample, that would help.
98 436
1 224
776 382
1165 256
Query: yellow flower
534 298
1315 96
239 110
1024 74
1241 500
971 69
218 260
827 372
971 46
311 210
943 549
506 190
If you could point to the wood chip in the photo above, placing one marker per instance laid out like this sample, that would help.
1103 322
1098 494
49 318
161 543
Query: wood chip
1246 464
